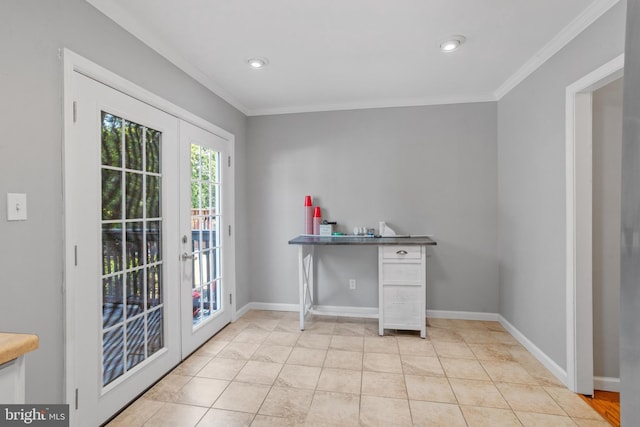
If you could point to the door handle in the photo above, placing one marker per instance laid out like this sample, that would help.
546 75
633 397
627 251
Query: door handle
186 256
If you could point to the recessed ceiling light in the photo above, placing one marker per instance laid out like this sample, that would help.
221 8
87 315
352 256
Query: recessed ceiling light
257 63
453 43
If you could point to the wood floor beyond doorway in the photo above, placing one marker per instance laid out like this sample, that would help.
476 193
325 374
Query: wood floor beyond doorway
607 404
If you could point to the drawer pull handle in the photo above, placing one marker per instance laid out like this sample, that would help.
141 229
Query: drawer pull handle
402 252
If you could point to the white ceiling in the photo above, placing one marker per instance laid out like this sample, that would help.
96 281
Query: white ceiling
343 54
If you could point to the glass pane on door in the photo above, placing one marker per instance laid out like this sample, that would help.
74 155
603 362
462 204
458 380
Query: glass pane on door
205 233
132 261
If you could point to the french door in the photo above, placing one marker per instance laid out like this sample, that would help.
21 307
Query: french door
205 209
149 265
121 237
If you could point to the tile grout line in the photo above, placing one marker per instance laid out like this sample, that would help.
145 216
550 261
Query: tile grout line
497 388
404 381
232 336
452 390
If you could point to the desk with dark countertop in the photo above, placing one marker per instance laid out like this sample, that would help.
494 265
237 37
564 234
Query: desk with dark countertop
411 254
361 240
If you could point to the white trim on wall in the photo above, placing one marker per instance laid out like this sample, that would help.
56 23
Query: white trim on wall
388 103
463 315
75 62
147 36
368 312
579 292
607 384
150 38
323 310
542 357
575 27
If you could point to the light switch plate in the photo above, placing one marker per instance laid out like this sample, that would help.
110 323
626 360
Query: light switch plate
16 207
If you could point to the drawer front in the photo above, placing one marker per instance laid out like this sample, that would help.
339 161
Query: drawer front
402 306
402 273
402 252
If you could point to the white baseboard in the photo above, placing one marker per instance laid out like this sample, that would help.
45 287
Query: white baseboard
606 384
601 383
463 315
368 312
324 310
329 310
242 311
542 357
274 306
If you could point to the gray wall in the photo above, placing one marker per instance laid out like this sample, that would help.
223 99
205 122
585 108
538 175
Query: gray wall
420 169
531 185
607 157
31 87
423 170
630 243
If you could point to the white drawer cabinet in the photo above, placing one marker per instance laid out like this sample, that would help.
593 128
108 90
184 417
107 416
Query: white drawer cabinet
12 387
402 287
402 277
13 347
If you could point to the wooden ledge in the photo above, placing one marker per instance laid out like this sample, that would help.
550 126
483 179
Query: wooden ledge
13 346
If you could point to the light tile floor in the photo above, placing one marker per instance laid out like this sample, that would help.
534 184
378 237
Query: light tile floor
262 371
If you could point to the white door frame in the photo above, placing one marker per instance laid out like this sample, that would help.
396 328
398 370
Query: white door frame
579 177
76 63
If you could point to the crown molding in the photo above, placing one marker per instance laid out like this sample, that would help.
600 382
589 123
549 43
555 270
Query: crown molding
411 102
568 33
146 36
140 31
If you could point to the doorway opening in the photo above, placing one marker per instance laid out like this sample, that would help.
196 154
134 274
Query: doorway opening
579 218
